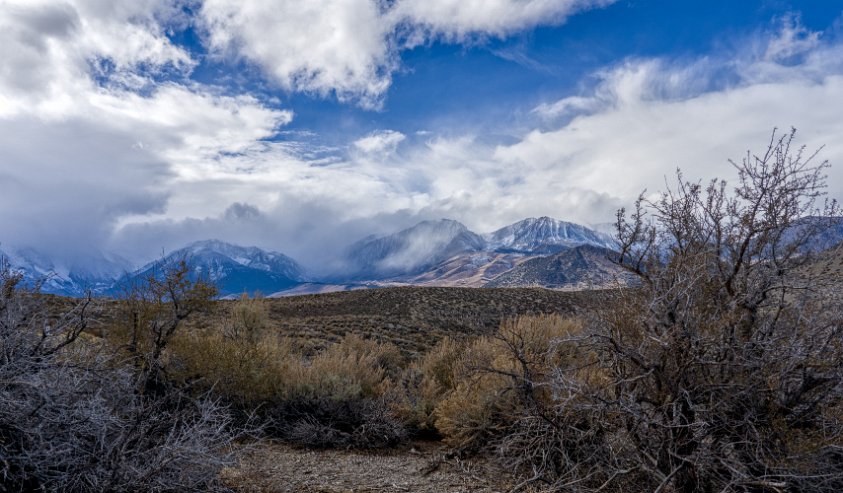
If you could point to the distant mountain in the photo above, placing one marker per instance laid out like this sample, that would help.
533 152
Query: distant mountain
470 270
95 273
533 252
582 267
544 235
411 250
234 269
830 234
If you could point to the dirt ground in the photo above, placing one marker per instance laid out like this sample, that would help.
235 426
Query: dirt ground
423 467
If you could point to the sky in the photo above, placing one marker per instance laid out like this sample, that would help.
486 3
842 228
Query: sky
133 127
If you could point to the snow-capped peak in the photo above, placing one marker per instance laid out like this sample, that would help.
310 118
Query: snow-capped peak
544 235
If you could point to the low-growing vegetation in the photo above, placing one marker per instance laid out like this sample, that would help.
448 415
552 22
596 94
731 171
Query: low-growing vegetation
333 397
83 414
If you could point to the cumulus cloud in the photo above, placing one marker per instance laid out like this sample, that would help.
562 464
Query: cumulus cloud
380 141
457 19
327 47
351 48
52 51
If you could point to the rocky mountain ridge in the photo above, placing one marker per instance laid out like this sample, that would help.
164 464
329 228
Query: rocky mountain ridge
533 252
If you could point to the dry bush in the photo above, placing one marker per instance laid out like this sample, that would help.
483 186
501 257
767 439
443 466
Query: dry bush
331 398
363 423
354 367
336 399
425 382
154 311
732 377
247 320
238 357
76 417
725 367
503 376
246 374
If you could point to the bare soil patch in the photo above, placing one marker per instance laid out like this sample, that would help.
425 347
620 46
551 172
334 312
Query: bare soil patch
423 467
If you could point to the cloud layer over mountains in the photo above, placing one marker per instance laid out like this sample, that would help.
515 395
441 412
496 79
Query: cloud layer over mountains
111 141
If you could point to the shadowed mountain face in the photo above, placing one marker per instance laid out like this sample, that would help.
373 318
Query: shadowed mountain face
830 233
233 269
582 267
445 252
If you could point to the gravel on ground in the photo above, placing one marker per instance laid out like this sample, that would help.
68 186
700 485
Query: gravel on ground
424 467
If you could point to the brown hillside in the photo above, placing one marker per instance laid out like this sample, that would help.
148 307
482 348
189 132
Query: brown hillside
415 318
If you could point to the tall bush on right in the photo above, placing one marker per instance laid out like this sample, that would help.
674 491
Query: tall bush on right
726 365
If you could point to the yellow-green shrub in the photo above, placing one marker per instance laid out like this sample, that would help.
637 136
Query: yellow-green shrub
351 368
331 398
247 319
425 383
243 372
500 377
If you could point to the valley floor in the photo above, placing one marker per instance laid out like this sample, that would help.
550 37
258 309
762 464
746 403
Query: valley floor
422 467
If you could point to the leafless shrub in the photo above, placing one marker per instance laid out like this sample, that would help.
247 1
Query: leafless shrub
730 376
352 423
74 416
724 370
154 308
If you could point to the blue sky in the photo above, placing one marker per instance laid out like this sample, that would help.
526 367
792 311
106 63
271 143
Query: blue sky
471 85
477 83
135 126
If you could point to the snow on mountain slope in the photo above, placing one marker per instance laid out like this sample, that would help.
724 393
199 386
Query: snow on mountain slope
234 269
544 235
582 267
95 272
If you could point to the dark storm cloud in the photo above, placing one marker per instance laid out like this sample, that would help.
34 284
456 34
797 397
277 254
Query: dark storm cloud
66 184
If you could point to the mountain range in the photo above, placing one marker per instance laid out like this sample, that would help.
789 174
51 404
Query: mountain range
433 249
233 269
533 252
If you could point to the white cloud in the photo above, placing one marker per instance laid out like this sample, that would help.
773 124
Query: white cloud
382 141
52 50
643 119
647 117
81 149
323 47
792 41
566 107
623 149
98 162
457 19
351 48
